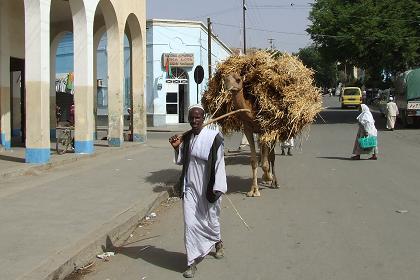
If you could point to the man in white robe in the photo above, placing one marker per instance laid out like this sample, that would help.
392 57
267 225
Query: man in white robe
203 181
287 144
391 114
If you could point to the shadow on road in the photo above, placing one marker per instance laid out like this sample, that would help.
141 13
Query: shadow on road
337 116
243 185
13 159
164 179
174 261
242 158
339 158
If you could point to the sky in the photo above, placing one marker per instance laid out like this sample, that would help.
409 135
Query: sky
284 21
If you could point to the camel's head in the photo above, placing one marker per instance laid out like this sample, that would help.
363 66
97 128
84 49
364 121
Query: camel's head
233 82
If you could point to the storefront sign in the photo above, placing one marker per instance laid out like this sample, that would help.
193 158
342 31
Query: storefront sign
178 59
177 81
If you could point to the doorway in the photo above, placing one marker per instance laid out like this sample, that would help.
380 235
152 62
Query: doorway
17 100
181 108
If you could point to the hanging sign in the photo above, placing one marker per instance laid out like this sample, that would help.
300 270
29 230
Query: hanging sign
178 59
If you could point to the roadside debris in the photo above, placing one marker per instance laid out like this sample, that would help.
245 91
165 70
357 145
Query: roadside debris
86 268
105 256
150 216
145 248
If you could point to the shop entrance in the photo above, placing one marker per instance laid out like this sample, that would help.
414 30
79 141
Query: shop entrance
176 101
17 100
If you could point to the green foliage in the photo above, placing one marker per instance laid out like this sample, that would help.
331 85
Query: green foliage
377 35
325 71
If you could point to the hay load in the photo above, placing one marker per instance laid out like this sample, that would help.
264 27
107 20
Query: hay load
282 93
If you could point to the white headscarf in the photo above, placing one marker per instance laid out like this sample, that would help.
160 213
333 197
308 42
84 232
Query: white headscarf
366 119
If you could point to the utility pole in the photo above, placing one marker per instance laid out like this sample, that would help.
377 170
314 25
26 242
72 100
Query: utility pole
243 16
271 42
209 44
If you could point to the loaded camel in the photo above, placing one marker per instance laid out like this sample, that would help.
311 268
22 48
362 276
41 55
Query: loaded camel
280 94
234 85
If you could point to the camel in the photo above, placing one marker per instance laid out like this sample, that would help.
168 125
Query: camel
234 85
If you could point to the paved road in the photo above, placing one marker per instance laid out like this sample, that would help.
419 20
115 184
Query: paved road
332 218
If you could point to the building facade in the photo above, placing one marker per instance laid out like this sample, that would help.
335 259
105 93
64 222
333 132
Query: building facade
29 34
174 50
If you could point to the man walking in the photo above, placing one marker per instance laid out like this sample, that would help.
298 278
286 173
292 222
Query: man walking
391 113
202 182
287 144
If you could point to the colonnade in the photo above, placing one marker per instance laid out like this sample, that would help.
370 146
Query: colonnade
42 32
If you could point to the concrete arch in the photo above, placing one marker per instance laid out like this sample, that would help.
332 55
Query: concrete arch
115 41
137 78
96 40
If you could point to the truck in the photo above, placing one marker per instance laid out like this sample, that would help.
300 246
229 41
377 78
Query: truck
407 96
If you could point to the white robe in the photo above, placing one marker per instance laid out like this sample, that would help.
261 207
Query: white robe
287 143
201 218
391 114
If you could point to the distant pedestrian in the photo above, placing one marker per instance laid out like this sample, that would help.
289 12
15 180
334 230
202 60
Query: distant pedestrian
288 144
202 182
366 128
391 113
244 142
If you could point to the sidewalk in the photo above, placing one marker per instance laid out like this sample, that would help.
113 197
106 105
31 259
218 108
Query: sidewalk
57 222
12 162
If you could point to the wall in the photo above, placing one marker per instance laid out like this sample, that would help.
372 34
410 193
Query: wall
176 37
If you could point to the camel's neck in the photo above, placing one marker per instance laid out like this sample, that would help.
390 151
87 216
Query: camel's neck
240 102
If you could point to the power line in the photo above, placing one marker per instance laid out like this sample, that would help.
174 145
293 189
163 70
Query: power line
286 7
220 12
303 34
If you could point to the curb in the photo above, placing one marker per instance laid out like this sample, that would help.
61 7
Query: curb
115 232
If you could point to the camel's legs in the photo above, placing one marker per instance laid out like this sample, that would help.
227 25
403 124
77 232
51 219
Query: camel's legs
272 159
254 163
265 164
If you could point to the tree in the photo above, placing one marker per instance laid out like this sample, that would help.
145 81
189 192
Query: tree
325 71
377 35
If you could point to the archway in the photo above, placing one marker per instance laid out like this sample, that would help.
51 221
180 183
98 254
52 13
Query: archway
106 14
62 81
137 63
12 73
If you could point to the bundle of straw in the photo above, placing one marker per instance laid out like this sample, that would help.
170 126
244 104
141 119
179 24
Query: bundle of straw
282 92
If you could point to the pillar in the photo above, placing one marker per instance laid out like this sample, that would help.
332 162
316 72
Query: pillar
83 77
115 40
37 66
137 77
5 125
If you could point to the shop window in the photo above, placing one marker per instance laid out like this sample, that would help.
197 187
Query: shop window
172 103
